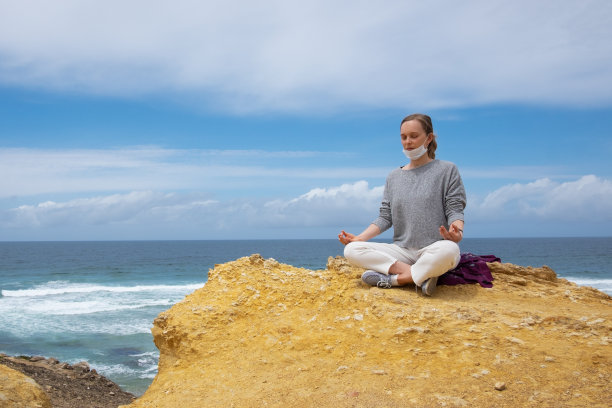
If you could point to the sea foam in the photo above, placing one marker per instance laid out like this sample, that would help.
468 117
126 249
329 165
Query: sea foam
52 288
605 285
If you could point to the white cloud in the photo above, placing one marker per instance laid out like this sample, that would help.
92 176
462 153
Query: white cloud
85 211
315 55
587 199
349 204
154 215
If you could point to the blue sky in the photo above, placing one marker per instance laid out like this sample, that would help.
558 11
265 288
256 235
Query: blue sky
280 119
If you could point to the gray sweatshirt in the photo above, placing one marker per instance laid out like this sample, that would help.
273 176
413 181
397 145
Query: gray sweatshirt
418 201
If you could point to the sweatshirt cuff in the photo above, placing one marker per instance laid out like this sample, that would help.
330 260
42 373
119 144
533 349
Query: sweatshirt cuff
382 224
456 217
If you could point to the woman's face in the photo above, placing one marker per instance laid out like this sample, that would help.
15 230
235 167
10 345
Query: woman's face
413 135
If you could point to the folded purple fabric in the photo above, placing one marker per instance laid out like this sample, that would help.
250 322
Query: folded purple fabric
471 269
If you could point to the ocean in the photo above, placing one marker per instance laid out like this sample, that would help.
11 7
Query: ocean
96 301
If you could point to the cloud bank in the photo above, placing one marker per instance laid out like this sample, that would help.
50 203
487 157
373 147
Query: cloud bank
310 56
586 199
355 205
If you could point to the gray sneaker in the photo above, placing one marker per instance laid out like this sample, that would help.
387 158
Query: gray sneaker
374 278
429 286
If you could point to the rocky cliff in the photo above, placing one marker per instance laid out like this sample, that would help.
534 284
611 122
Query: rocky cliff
260 333
20 391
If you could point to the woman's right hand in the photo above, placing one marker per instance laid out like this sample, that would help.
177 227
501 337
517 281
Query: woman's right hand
369 233
346 237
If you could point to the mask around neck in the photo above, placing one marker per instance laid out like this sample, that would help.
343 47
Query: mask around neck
417 153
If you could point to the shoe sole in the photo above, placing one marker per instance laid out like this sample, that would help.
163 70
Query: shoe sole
429 287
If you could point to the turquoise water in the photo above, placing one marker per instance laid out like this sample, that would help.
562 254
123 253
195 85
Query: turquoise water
96 301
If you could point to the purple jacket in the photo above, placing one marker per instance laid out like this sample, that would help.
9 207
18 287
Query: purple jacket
471 269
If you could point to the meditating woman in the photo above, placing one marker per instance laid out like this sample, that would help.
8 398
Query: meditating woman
424 202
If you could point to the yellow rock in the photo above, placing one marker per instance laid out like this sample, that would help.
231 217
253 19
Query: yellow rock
20 391
264 334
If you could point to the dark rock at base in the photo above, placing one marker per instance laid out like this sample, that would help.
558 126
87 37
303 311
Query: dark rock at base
81 367
52 361
70 386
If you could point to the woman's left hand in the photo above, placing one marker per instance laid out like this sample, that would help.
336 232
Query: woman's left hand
454 232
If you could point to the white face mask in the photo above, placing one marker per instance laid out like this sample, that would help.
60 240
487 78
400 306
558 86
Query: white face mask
417 153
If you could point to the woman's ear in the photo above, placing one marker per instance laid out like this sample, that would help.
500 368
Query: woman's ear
430 138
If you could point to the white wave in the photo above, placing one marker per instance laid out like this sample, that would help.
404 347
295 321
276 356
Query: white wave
148 360
27 325
53 289
110 370
605 285
120 328
152 368
87 307
148 376
113 370
154 354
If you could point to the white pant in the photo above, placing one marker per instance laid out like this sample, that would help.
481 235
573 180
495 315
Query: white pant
433 260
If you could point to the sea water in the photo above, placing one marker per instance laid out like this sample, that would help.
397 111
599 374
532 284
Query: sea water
96 301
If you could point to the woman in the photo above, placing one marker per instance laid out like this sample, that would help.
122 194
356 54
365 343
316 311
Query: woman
424 201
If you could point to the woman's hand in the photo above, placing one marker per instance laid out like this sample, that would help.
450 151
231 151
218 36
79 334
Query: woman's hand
346 237
454 232
368 233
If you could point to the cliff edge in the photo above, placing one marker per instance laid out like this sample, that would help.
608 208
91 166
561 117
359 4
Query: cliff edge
261 333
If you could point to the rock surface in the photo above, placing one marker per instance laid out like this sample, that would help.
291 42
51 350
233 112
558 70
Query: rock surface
20 391
260 333
61 384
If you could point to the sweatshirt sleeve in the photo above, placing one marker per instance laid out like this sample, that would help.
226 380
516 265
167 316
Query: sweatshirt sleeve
455 199
384 220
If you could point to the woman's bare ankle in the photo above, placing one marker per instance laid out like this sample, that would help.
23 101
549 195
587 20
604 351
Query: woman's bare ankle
403 271
404 279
